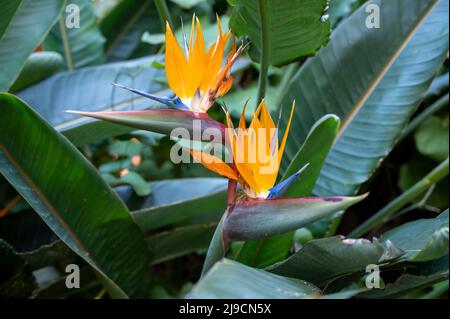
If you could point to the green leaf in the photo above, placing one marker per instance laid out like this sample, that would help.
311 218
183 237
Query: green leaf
182 201
23 26
180 241
136 181
81 45
373 79
313 152
421 240
39 66
90 89
432 138
231 280
405 284
124 26
287 30
9 9
253 219
322 260
264 252
54 178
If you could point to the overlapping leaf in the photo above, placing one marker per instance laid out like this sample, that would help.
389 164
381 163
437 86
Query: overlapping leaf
23 25
373 79
53 177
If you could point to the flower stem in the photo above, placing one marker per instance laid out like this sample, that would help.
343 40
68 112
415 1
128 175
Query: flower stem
437 174
219 245
265 50
66 45
164 13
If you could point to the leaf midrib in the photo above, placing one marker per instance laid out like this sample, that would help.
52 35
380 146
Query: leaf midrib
50 207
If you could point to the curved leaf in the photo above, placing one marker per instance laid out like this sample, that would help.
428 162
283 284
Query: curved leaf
54 178
288 30
231 280
39 66
313 152
324 259
253 219
405 284
373 79
430 240
24 24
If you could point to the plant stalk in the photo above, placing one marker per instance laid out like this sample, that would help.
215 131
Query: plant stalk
66 45
419 119
219 245
265 49
436 175
164 13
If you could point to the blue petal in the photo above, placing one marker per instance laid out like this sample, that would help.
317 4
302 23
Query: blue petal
172 102
283 186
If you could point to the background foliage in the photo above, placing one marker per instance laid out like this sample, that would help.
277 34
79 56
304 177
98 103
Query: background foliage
372 117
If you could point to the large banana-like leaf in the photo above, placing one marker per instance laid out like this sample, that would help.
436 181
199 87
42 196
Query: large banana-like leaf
90 89
23 25
373 79
230 280
253 219
82 44
321 260
69 195
284 30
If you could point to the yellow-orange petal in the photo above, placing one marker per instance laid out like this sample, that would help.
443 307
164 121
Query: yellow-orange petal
215 59
176 64
286 132
214 164
242 124
196 63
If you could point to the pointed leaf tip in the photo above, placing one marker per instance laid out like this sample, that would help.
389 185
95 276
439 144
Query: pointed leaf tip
254 219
